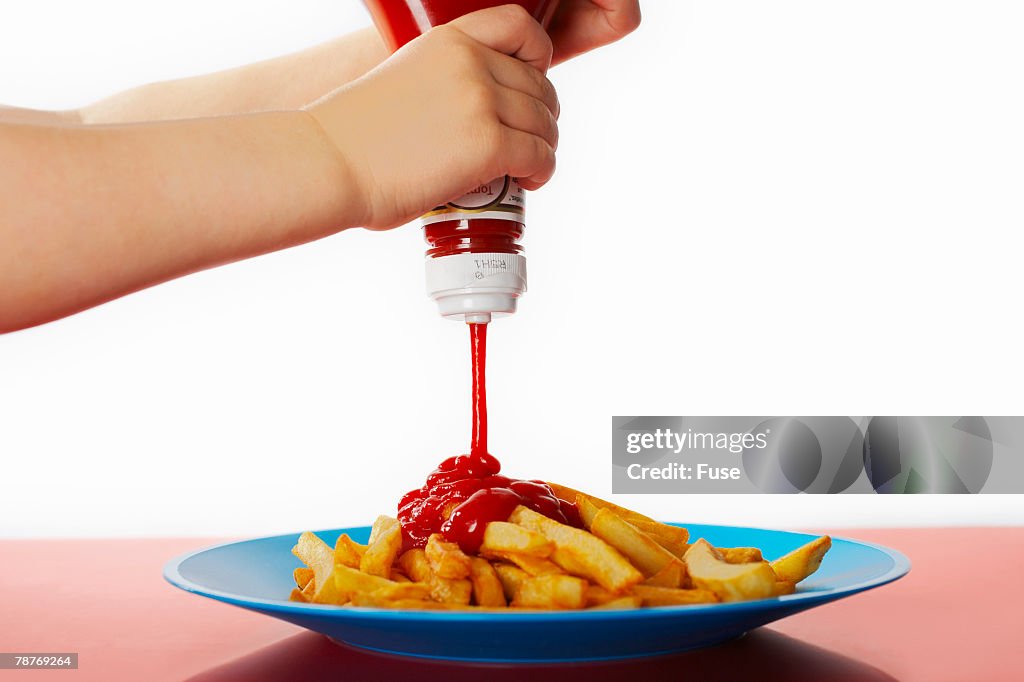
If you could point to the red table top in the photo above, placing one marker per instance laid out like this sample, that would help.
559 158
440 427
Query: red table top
106 599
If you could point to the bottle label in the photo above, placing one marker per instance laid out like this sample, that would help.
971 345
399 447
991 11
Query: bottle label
500 199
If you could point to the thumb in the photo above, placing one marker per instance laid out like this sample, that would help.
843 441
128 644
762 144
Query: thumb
511 30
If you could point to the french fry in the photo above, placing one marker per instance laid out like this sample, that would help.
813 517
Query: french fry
488 590
802 561
348 552
309 591
376 600
447 590
381 553
446 559
511 577
664 536
569 563
531 564
740 555
667 596
297 595
381 524
564 492
317 556
399 577
597 595
670 537
627 602
672 575
551 592
642 551
784 587
508 537
585 554
416 591
302 576
730 582
349 581
313 552
588 510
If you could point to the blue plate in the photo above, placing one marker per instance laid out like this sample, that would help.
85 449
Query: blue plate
257 575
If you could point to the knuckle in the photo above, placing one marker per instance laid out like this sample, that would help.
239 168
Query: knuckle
538 79
549 156
542 88
446 35
517 14
554 132
492 140
547 121
541 154
442 32
544 167
481 99
549 92
467 56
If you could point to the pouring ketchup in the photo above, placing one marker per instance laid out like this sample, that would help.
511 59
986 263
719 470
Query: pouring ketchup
467 492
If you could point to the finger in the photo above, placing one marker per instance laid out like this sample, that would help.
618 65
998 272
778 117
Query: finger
583 25
530 115
514 74
622 15
511 30
529 158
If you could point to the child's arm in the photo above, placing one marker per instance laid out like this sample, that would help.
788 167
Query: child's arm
294 80
36 117
280 84
89 213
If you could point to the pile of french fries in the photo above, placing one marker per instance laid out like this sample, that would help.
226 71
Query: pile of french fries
622 560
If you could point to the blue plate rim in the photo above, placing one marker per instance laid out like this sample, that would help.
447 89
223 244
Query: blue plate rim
901 567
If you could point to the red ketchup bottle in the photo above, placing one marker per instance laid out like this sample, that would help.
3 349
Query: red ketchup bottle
475 266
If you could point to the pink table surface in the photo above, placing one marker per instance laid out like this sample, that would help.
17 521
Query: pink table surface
106 599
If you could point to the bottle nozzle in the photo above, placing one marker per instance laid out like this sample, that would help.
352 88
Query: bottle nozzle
476 286
478 318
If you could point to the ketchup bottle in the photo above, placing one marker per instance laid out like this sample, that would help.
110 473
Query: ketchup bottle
475 266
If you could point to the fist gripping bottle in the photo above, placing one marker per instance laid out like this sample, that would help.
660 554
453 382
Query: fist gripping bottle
475 265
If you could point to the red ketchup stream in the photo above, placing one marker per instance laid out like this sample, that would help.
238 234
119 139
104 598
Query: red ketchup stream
467 492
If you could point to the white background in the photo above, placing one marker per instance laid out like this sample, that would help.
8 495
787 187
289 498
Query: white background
762 208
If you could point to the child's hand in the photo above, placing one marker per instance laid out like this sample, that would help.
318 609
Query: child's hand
461 105
583 25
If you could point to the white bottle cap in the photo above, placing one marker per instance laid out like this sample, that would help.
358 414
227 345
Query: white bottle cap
472 287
